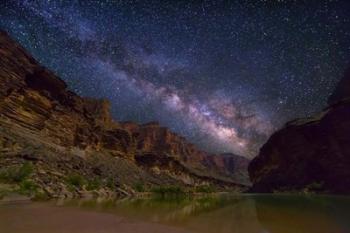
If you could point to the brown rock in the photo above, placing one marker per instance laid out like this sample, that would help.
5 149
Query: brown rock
158 146
309 154
37 110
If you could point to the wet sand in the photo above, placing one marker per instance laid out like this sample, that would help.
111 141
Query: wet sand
43 218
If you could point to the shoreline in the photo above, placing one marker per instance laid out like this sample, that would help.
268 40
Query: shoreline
43 218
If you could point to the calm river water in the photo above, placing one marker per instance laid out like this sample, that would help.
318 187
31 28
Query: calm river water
222 214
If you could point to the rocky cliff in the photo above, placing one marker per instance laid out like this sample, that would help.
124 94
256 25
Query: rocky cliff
309 154
154 144
61 133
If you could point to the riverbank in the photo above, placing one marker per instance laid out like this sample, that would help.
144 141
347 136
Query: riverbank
43 218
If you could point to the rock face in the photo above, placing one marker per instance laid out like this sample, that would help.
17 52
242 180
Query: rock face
37 111
231 165
154 144
342 91
311 154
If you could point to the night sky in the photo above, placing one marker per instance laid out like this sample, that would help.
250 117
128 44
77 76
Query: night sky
224 74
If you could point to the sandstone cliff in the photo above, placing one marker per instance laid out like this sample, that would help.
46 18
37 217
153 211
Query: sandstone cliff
156 146
62 133
309 154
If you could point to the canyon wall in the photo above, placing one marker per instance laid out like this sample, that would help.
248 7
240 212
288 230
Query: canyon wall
43 121
311 154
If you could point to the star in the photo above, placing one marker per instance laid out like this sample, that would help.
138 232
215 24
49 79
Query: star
223 75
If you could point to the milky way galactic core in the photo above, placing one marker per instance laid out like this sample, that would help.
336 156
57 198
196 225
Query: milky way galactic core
224 74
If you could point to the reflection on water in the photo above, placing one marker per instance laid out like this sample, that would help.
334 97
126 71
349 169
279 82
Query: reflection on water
220 214
237 214
290 214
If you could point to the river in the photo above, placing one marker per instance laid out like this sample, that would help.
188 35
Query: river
244 213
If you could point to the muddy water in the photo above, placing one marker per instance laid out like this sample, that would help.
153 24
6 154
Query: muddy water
224 214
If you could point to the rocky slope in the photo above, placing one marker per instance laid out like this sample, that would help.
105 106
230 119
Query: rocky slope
62 133
309 154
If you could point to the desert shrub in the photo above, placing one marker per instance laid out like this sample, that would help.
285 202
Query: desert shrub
3 192
316 186
93 184
16 174
168 190
27 187
139 187
204 189
75 180
110 183
3 176
41 196
313 187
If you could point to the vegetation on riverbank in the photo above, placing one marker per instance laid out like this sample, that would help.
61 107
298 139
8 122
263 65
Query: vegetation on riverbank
174 190
21 179
17 179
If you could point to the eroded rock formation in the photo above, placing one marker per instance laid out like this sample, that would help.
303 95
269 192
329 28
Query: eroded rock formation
65 133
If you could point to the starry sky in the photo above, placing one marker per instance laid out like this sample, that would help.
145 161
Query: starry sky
224 74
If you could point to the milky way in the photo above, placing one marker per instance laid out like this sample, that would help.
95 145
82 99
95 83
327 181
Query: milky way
223 74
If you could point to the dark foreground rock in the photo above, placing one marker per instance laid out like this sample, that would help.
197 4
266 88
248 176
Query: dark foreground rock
73 143
310 154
